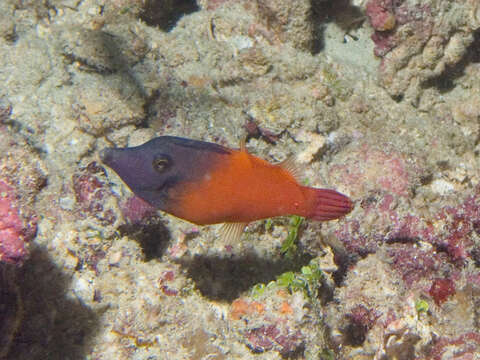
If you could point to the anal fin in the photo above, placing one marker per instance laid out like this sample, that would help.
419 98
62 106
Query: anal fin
243 144
232 232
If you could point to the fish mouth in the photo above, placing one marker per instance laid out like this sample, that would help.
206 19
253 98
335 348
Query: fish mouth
125 163
117 160
106 155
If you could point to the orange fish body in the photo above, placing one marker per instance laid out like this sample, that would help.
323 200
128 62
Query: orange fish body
206 183
245 188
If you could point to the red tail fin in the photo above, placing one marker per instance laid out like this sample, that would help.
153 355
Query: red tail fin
328 204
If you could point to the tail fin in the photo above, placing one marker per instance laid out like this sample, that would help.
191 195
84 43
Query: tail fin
328 204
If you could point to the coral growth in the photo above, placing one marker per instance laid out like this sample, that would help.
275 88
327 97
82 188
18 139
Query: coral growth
360 321
271 322
431 255
419 40
386 180
462 347
135 210
268 337
91 194
381 14
441 289
402 276
12 231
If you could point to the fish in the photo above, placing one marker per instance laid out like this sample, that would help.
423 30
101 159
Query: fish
206 183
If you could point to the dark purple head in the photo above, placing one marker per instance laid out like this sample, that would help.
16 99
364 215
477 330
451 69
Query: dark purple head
151 170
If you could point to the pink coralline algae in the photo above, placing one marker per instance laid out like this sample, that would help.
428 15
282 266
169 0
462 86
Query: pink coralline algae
384 42
369 168
269 337
13 232
272 325
362 316
464 347
256 131
382 18
423 244
90 193
135 210
451 246
386 16
459 225
415 264
360 321
441 289
380 13
167 277
383 178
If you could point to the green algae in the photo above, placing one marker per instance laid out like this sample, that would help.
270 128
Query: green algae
289 246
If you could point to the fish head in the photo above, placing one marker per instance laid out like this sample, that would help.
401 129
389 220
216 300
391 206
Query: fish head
154 169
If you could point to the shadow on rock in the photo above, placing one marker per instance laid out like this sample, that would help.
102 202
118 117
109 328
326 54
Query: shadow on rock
152 236
342 12
54 325
225 278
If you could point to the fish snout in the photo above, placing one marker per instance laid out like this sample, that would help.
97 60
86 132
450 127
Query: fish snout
106 155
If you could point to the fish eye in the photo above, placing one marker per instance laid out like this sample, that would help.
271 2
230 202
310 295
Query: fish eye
161 163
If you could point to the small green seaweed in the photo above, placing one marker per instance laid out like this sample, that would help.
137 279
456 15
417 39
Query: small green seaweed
421 306
268 224
311 278
327 354
289 245
308 280
258 290
286 279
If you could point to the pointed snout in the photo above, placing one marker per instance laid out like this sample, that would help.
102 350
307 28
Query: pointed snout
106 155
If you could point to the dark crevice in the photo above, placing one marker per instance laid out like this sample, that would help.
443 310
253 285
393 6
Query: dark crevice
475 252
473 52
446 81
298 353
344 262
401 239
341 12
151 234
166 13
355 334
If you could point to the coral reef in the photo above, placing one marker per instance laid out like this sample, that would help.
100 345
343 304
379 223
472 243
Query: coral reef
384 110
271 323
420 41
90 193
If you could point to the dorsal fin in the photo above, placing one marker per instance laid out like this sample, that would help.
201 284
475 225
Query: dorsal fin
290 164
232 232
243 144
